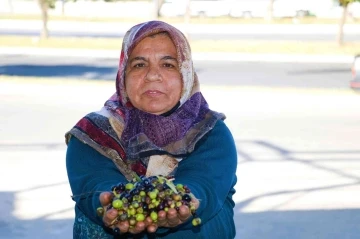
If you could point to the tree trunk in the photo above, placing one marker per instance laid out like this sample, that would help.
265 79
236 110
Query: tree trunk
63 7
187 17
160 3
11 6
44 17
156 9
187 14
270 11
340 35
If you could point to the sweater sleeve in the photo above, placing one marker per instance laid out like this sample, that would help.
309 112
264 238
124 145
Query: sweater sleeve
210 173
89 173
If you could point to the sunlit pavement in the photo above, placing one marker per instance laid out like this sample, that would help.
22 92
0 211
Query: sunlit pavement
298 170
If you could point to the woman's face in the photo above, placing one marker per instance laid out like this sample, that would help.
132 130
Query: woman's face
152 79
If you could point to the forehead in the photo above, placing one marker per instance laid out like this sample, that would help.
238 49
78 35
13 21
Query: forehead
160 41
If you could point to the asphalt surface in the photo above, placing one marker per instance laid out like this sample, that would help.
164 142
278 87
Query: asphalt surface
298 151
265 32
242 73
193 36
296 127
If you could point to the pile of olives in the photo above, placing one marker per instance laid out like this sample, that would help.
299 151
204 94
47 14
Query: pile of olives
146 196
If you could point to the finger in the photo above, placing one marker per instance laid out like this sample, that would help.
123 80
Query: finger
148 221
174 222
110 216
152 228
184 213
162 219
171 214
161 215
105 198
140 226
172 218
123 226
195 202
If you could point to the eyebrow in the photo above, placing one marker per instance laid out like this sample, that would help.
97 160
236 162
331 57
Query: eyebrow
169 58
141 58
138 58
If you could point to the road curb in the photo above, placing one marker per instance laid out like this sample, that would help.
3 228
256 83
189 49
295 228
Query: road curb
197 56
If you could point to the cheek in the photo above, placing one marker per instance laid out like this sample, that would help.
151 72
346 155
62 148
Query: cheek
176 92
131 82
130 87
178 86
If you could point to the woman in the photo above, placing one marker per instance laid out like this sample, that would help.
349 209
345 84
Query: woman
157 123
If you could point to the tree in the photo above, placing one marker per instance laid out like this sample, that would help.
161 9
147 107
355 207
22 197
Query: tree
270 11
157 7
187 17
11 6
160 3
344 4
187 14
44 7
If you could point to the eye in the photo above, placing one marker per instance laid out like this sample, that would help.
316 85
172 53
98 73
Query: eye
139 65
168 65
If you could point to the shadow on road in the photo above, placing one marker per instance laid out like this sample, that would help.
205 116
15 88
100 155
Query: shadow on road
302 224
299 75
321 71
293 156
42 227
32 146
270 223
89 72
307 224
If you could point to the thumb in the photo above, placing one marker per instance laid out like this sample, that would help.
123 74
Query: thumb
195 202
105 198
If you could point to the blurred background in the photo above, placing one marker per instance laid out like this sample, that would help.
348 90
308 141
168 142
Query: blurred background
285 73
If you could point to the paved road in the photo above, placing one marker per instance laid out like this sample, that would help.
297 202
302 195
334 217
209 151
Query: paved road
269 74
195 31
298 149
193 36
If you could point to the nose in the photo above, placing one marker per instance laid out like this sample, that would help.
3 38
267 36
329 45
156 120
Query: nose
153 74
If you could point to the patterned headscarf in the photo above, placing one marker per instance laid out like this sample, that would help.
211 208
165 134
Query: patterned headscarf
139 142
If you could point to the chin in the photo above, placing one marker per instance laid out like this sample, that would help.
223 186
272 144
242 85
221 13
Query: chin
154 111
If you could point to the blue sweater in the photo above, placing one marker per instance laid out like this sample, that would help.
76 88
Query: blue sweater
209 171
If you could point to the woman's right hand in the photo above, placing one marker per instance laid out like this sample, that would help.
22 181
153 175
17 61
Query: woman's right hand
123 226
173 217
